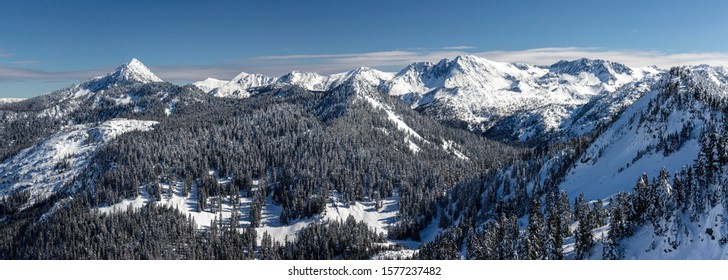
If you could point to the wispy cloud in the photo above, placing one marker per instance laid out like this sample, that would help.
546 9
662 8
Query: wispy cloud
22 74
384 60
634 58
459 48
198 72
26 62
4 53
330 63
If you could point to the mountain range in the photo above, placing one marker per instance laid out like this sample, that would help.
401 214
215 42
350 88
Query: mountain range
509 101
434 161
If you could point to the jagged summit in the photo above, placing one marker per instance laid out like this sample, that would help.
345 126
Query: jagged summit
252 80
308 80
135 71
604 70
474 91
366 75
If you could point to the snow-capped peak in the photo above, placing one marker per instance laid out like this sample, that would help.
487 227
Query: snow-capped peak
135 71
238 86
368 75
363 80
252 80
209 84
311 81
604 70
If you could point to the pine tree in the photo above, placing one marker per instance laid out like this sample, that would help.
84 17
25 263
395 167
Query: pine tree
535 236
554 232
641 199
581 209
583 234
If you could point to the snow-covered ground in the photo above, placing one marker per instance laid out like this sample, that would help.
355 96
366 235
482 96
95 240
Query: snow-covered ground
380 220
239 86
479 91
683 240
46 167
401 125
10 100
209 84
611 164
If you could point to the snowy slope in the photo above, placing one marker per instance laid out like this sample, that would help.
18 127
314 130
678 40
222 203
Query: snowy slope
515 100
10 100
336 209
399 123
133 72
99 91
238 86
507 100
363 77
46 167
635 143
603 108
310 81
684 239
209 84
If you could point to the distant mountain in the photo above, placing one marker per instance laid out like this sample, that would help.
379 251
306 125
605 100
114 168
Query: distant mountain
460 159
310 81
508 101
512 101
209 84
130 73
10 100
45 141
240 86
102 88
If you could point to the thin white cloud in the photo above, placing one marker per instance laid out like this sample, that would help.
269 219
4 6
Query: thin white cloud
26 62
21 74
197 72
4 53
459 48
384 60
634 58
331 63
334 63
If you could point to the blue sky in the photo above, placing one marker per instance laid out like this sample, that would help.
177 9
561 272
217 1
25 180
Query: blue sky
47 45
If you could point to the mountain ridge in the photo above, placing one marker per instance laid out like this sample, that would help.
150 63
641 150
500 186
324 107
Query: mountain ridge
302 150
484 95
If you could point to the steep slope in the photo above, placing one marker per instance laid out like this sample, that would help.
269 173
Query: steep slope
106 90
130 92
238 86
511 100
244 84
652 179
133 72
47 167
310 81
286 155
508 101
294 144
660 130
